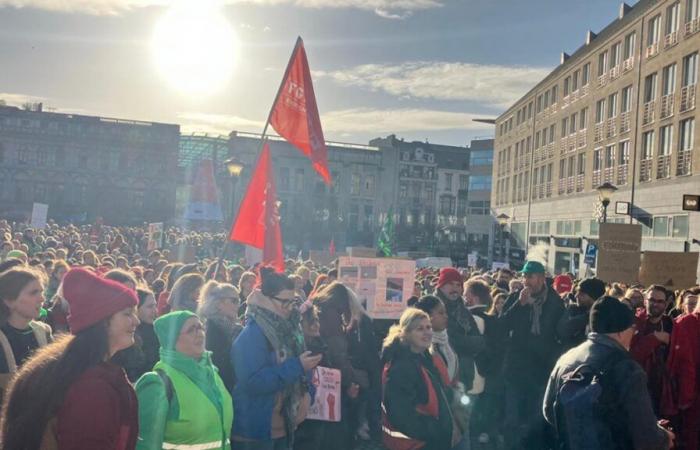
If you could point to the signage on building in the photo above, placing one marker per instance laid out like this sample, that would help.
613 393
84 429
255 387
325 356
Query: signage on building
568 242
591 252
691 202
619 251
622 208
674 270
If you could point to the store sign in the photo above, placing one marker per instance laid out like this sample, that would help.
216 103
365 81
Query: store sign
691 202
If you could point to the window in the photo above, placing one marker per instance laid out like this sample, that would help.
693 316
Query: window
609 156
583 119
573 122
602 62
630 40
648 145
562 169
665 140
369 185
597 160
529 110
539 103
572 168
448 182
564 126
612 105
551 134
600 111
537 139
668 82
673 13
554 94
567 81
480 183
574 80
581 164
447 205
546 99
464 182
626 99
690 70
615 55
585 74
660 227
654 31
680 227
692 7
354 184
481 158
650 88
687 133
624 153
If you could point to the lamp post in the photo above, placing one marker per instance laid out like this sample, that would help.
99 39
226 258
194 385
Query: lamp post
605 191
234 169
502 222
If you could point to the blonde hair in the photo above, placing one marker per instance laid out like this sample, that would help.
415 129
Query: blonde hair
407 323
211 295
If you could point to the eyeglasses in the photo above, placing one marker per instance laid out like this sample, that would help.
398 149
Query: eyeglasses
194 328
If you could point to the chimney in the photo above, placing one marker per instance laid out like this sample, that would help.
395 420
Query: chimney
624 8
564 57
590 36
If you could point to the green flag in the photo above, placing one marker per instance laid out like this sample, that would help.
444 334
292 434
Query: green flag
386 236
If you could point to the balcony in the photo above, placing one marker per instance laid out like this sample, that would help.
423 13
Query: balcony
687 98
611 128
596 178
581 138
666 106
541 191
579 182
584 91
570 185
574 96
692 27
663 167
602 80
624 122
608 174
645 170
671 39
561 188
628 64
652 50
565 102
684 163
564 145
598 132
548 189
649 113
621 174
615 72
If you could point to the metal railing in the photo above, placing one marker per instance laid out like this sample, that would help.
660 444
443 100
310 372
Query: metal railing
666 106
608 174
687 98
624 122
602 79
683 166
671 39
645 170
579 182
569 185
596 178
663 166
614 72
628 64
692 26
581 138
649 112
652 50
621 174
561 188
611 127
598 132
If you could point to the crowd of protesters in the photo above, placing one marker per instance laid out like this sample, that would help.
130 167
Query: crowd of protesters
107 345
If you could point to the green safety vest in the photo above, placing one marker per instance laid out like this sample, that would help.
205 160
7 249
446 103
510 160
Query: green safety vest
199 425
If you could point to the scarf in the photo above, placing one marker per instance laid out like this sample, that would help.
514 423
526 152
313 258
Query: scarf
441 345
536 312
458 311
287 340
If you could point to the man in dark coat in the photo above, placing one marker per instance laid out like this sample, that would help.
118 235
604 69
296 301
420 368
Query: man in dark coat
573 325
624 411
529 321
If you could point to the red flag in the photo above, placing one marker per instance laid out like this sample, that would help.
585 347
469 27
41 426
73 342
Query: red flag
295 114
258 222
331 248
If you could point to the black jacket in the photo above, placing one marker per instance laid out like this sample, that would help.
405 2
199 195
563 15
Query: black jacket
572 327
625 403
219 341
404 389
142 356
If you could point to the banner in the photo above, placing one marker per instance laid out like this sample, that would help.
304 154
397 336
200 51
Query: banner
436 262
326 404
499 265
155 236
39 213
674 270
382 284
619 251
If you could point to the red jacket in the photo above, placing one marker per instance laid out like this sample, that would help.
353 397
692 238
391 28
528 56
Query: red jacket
100 411
684 363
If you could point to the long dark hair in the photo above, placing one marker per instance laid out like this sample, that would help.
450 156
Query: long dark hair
272 282
37 391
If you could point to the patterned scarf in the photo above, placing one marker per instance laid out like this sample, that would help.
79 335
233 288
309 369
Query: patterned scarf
536 312
287 340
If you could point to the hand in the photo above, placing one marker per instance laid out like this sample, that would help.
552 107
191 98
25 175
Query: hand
524 298
663 336
309 361
665 424
353 390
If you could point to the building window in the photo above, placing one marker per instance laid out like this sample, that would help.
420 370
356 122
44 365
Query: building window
585 74
554 94
572 169
484 157
480 183
610 156
567 81
648 145
680 227
448 182
564 126
630 40
687 134
626 104
575 80
597 160
299 178
600 111
447 205
583 119
665 140
624 153
551 134
612 105
690 70
692 8
615 55
660 226
464 182
573 121
673 13
602 63
369 185
581 164
668 82
654 31
650 88
403 189
562 169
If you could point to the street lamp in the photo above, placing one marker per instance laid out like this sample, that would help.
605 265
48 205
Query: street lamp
234 169
605 191
502 220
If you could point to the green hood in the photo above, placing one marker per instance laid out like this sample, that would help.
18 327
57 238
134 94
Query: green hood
168 326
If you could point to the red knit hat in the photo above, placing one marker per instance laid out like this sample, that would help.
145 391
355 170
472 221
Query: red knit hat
448 275
562 284
93 299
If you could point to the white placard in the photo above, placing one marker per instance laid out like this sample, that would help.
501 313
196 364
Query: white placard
326 404
39 213
155 235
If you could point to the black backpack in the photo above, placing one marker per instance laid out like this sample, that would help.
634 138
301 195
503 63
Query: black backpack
579 407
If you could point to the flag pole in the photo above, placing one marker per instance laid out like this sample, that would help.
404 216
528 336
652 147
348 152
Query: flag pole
263 139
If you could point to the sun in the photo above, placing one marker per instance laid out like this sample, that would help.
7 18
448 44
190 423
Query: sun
194 48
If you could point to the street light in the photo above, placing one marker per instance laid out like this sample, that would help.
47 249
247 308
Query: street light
605 191
502 220
234 169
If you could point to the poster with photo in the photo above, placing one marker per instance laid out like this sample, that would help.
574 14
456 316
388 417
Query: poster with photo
384 285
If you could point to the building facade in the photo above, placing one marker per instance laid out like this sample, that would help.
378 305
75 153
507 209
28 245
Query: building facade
86 167
622 110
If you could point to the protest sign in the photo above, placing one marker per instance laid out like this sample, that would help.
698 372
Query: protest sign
472 259
499 265
326 404
384 284
39 213
434 262
155 236
674 270
619 250
183 253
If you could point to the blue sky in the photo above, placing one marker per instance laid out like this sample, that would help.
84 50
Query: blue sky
419 68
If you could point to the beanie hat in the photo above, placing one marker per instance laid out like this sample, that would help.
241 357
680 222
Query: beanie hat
448 275
19 254
593 287
93 299
168 326
609 315
532 267
562 284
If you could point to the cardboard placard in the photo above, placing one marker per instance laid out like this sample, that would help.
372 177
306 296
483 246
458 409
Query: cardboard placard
674 270
619 252
499 265
383 284
326 404
39 213
155 236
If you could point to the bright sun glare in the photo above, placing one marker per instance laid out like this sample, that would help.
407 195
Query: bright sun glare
194 47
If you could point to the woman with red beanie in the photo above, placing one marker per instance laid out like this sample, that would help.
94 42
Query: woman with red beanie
69 396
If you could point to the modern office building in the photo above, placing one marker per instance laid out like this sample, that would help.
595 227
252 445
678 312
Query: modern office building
621 109
86 167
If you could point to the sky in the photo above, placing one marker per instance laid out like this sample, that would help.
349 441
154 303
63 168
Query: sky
420 69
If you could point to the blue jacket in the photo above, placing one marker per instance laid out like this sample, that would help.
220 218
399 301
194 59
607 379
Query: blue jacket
259 378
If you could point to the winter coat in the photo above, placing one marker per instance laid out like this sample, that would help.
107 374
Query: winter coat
625 403
219 341
99 411
573 325
142 356
684 363
405 389
529 358
465 338
334 334
651 353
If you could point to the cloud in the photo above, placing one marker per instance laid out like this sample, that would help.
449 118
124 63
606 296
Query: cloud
393 9
492 85
345 122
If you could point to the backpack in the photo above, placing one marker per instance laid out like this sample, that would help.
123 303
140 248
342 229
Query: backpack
579 406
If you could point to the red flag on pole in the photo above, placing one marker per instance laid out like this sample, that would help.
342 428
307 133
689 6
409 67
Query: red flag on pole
295 114
331 248
258 222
